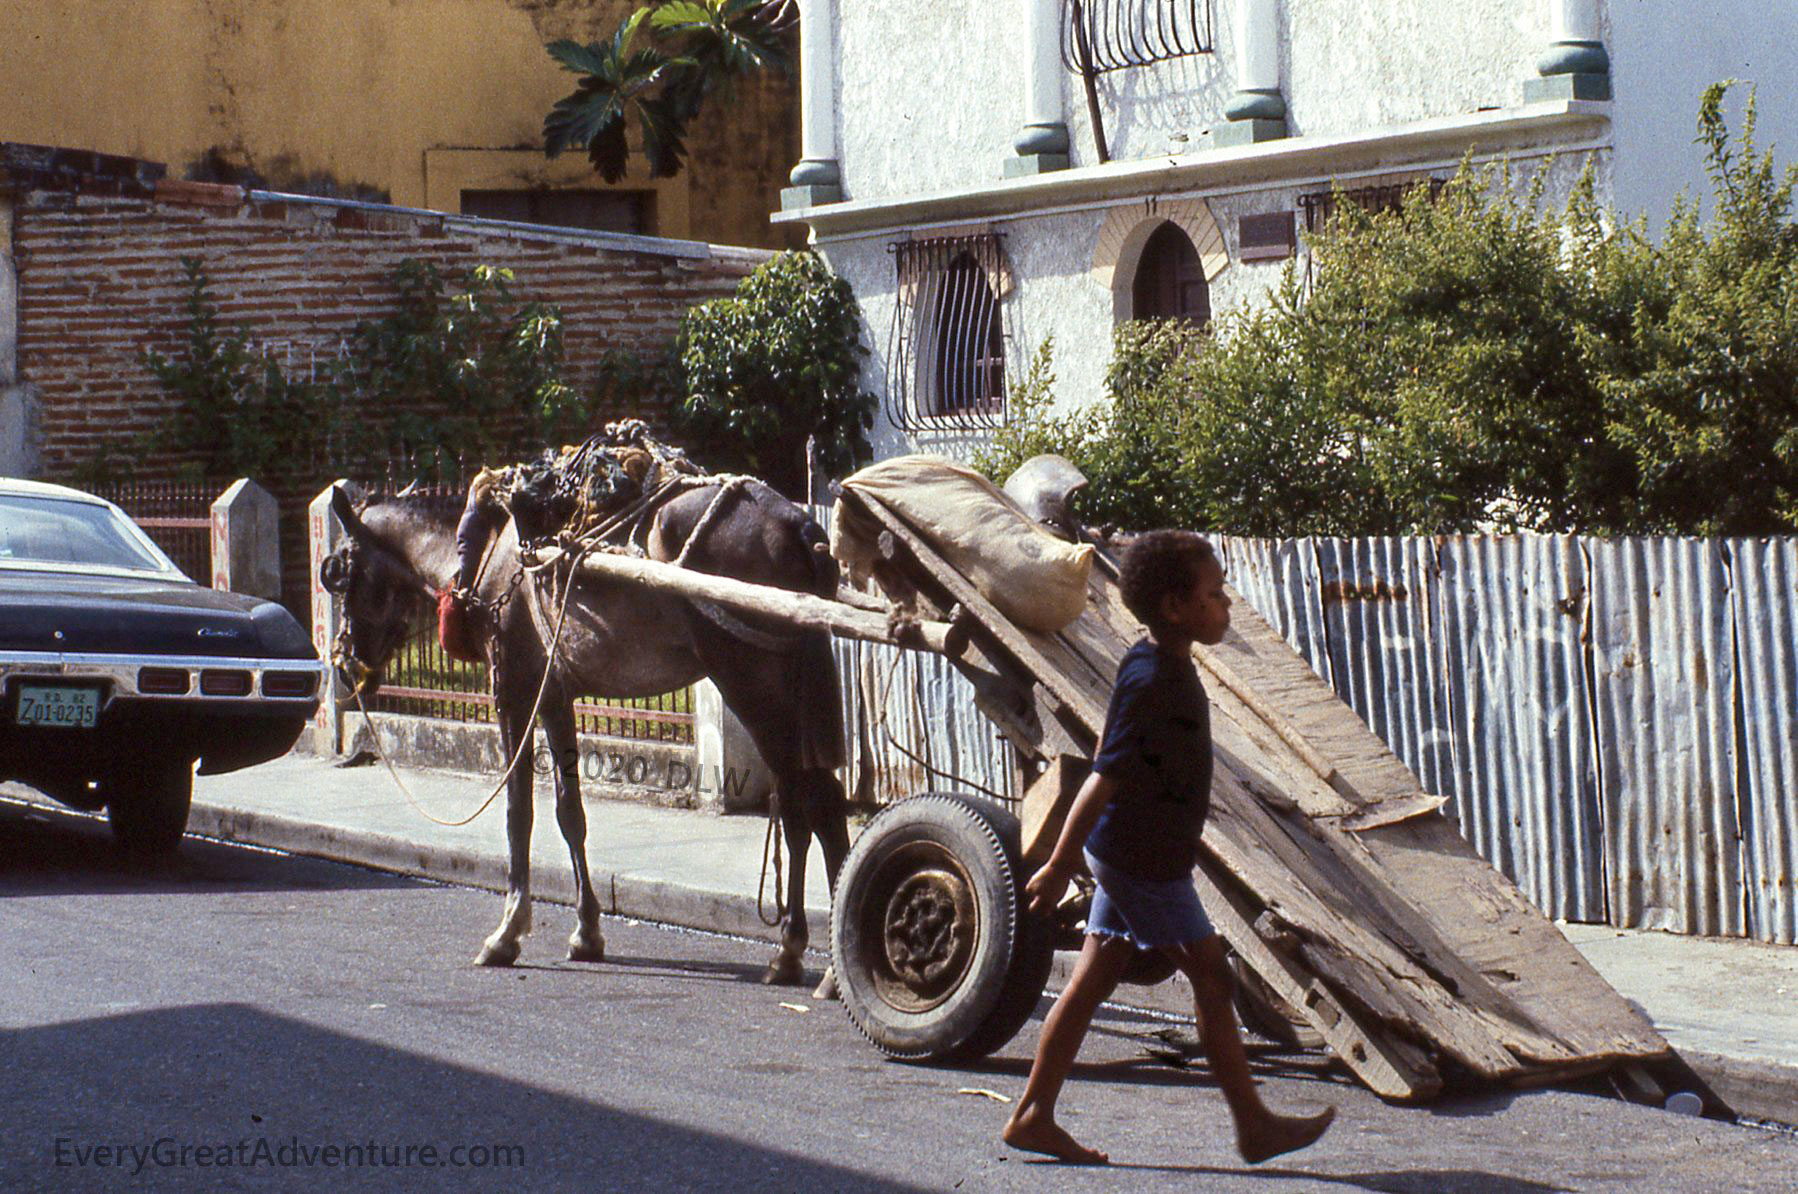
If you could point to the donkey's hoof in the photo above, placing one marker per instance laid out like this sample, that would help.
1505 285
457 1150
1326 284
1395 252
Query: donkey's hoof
783 971
497 953
586 949
827 988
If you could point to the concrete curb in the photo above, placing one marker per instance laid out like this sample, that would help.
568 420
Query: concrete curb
620 894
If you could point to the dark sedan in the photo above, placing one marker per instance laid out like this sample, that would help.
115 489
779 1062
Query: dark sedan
118 673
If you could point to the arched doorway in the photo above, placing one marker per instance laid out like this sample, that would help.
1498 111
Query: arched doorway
1170 279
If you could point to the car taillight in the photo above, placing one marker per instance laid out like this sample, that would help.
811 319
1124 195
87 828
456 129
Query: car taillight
162 681
228 682
289 684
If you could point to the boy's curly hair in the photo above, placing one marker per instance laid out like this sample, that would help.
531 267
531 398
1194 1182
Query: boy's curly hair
1160 564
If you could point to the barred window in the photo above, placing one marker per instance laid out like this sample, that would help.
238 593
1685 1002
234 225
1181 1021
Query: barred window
946 359
1170 280
1319 206
1107 35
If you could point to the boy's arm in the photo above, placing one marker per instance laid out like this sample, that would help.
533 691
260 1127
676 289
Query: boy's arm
1046 887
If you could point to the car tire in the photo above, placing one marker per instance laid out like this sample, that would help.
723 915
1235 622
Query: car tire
935 955
148 808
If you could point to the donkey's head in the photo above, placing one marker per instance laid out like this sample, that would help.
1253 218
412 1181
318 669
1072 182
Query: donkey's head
382 597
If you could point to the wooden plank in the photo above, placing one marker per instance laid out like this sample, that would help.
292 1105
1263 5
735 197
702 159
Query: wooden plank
1534 974
1346 936
1388 1068
798 609
1045 806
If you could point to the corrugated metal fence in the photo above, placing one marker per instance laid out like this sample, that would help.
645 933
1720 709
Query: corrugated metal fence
1613 720
912 723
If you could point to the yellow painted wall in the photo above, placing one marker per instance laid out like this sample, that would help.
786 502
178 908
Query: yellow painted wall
361 91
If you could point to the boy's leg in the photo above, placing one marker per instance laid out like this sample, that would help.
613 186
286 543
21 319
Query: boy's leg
1032 1126
1260 1134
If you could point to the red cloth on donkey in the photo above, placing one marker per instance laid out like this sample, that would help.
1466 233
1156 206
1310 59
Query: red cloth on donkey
458 627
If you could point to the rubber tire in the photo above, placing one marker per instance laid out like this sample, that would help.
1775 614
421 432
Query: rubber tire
1008 964
148 809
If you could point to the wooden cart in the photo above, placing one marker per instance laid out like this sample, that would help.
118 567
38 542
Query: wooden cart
1357 913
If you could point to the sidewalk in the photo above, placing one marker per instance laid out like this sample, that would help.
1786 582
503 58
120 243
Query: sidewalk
1730 1008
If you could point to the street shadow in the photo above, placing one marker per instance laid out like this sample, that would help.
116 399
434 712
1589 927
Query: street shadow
275 1091
46 850
730 972
1414 1181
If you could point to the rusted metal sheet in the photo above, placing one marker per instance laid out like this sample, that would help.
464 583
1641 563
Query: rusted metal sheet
1764 602
915 728
1378 618
1663 656
1279 578
1510 615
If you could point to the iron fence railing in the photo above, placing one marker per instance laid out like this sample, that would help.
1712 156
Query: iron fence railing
177 515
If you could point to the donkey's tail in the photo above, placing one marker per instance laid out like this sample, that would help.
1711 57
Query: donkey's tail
821 742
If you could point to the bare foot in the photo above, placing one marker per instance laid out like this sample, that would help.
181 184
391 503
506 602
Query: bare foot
1049 1138
1279 1134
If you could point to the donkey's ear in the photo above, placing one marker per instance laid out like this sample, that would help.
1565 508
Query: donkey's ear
346 513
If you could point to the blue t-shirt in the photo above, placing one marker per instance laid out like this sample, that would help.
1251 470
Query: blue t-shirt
1157 747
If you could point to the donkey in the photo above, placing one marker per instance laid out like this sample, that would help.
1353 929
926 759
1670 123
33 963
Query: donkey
621 640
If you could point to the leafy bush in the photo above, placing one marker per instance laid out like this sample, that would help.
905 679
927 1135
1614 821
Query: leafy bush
448 372
1470 362
772 367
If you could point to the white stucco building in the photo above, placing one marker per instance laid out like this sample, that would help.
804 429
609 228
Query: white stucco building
953 170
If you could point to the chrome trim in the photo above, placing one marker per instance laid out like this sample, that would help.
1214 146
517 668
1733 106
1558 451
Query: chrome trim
120 671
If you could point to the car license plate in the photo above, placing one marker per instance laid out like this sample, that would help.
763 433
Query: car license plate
72 708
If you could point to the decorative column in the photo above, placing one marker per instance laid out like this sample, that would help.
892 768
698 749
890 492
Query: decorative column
1042 144
816 179
1576 65
1257 112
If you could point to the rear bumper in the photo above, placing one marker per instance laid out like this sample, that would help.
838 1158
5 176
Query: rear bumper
224 716
120 675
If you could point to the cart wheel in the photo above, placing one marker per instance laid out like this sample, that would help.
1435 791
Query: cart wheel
934 955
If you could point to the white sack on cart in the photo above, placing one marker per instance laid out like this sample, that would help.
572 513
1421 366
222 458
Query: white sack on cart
1034 578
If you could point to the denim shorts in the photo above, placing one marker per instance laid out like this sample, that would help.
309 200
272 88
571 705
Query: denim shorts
1146 912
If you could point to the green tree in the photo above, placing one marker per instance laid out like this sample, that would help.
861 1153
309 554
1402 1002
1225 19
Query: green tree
1472 361
1698 358
775 366
700 47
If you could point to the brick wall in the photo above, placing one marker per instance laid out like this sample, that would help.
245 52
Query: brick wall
97 247
100 281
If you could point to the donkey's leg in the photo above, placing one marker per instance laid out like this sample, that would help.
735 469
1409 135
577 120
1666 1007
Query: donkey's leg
586 943
788 968
828 810
501 949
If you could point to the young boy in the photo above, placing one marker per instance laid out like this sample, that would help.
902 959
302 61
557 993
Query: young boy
1138 818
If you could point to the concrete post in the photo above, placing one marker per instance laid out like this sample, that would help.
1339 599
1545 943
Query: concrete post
1575 65
816 179
18 404
246 541
1042 144
1257 112
324 536
731 776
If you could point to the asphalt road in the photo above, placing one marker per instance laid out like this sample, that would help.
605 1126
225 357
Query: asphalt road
246 1007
